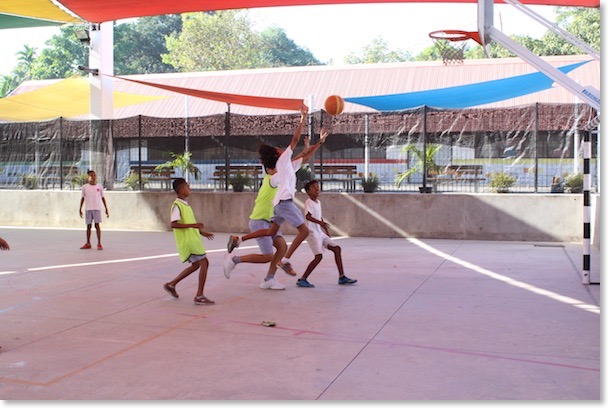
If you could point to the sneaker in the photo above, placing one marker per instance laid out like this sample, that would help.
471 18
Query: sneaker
202 300
228 265
286 267
271 284
346 280
99 247
303 283
86 246
233 242
170 290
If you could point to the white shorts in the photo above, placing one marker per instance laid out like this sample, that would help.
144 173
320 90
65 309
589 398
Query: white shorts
317 242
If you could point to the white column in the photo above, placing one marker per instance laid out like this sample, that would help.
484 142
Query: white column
101 57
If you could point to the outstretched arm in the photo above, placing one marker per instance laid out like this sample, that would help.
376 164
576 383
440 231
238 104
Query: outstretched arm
296 136
308 154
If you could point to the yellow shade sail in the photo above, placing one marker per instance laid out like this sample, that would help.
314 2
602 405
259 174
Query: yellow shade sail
67 98
44 10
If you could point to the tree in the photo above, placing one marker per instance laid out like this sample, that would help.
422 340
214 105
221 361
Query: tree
282 51
62 57
377 51
215 41
138 45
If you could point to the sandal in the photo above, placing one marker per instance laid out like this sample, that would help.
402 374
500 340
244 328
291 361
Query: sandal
202 300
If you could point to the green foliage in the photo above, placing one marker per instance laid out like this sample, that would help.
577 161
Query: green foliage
79 180
217 41
371 183
62 56
377 51
140 44
428 157
574 183
181 162
132 181
282 51
501 182
29 181
239 181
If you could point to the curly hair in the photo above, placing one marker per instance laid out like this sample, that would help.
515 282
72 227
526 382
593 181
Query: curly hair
268 156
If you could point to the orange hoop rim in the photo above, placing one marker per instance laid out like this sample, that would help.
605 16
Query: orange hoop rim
455 35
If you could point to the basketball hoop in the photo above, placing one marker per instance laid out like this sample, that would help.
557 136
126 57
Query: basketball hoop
451 44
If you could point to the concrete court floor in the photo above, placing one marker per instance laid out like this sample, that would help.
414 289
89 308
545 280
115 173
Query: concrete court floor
437 320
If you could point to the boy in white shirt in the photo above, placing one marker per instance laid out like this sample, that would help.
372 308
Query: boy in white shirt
319 237
92 195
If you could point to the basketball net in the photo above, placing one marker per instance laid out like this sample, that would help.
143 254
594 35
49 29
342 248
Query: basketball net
451 44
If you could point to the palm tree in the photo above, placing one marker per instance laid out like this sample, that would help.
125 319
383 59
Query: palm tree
181 162
427 157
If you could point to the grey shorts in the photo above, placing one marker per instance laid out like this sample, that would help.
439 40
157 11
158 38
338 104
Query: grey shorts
195 258
92 216
264 243
286 210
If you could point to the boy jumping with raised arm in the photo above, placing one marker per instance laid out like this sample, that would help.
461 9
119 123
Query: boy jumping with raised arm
284 207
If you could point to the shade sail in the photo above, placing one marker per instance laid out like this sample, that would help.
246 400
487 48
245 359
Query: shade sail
464 96
29 13
257 101
96 11
67 98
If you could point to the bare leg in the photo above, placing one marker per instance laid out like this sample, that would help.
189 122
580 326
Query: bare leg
338 255
193 267
312 265
281 246
302 235
274 228
98 230
89 233
202 276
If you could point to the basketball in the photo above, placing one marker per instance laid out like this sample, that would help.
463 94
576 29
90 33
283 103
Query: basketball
334 105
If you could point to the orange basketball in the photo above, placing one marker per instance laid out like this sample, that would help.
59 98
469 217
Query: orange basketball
334 105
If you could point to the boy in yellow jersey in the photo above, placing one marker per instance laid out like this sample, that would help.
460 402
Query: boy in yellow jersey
189 245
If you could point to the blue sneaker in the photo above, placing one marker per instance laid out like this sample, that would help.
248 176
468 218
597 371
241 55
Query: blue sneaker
344 280
303 283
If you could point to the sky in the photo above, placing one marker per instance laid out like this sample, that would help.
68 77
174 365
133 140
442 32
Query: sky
331 32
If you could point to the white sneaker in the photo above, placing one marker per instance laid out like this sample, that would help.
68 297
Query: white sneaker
229 265
271 284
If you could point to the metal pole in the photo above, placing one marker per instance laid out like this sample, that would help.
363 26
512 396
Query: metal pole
141 184
227 138
586 208
187 137
366 151
536 147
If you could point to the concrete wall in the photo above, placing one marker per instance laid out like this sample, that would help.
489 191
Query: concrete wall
509 217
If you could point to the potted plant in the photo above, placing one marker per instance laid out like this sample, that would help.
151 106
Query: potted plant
370 183
239 182
501 182
427 157
182 162
303 176
30 181
574 183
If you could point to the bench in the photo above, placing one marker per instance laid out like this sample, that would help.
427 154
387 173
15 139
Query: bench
460 173
253 171
149 174
338 173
